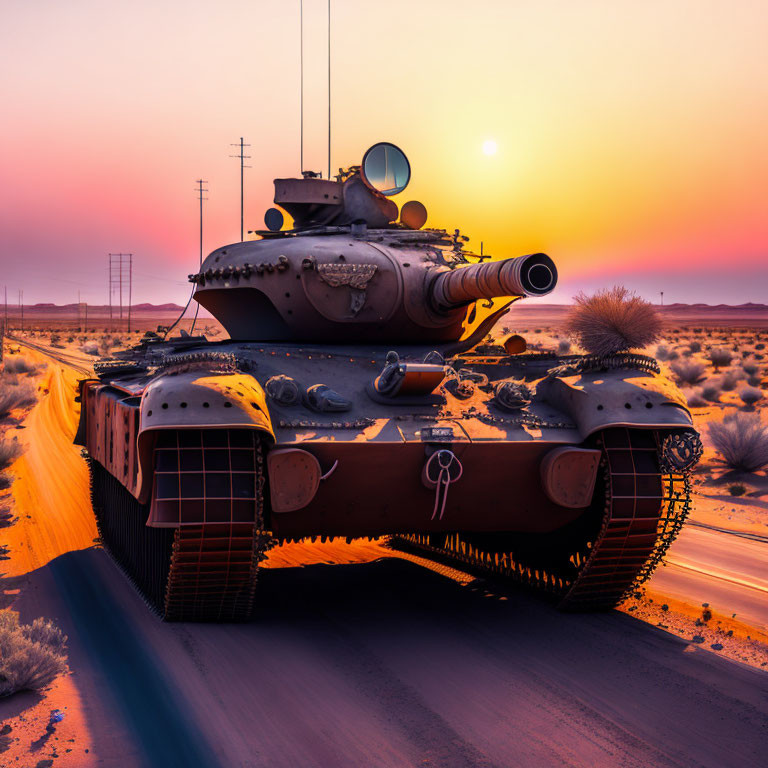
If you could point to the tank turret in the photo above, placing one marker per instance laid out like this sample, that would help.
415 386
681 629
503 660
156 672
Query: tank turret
348 271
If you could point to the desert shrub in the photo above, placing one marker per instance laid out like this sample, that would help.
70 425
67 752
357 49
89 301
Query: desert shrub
741 440
10 450
6 517
612 321
730 381
760 346
688 371
20 365
696 400
6 481
749 396
755 381
750 368
90 348
737 489
70 339
563 347
31 655
711 392
14 394
694 346
720 357
665 353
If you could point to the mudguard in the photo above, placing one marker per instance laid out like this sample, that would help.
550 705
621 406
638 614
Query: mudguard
617 398
197 400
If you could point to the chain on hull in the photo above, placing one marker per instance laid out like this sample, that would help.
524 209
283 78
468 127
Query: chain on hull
594 563
204 572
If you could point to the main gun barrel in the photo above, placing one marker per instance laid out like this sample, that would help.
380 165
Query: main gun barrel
532 275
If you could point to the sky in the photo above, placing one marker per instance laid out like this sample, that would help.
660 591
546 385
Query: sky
631 137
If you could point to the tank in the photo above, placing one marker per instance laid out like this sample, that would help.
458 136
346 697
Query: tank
357 396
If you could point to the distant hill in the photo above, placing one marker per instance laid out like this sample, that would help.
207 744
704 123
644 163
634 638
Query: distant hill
100 309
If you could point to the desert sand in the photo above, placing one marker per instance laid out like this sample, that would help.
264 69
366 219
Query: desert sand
359 656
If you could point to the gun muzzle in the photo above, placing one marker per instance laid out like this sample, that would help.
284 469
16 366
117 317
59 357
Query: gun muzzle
533 275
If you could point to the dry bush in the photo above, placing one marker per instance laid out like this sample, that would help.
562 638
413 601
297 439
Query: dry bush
730 381
6 517
613 320
711 392
696 400
563 347
694 346
750 369
720 357
20 365
750 395
665 353
90 348
688 371
31 655
14 394
6 481
741 440
10 450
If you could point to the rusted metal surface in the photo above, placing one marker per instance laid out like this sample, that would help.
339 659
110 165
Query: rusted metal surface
598 400
294 477
190 572
636 513
355 371
568 476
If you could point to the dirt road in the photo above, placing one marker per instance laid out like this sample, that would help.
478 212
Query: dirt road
377 662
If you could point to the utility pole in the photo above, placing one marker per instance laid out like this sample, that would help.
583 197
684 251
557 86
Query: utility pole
200 193
243 158
662 298
120 280
21 308
130 288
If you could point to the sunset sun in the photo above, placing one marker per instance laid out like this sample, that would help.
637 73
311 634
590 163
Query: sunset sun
489 147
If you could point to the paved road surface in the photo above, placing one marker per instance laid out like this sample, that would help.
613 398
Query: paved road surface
378 663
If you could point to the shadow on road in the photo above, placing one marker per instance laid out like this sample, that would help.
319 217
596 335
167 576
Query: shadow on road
449 675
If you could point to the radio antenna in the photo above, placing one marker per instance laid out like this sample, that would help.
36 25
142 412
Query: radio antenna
301 87
329 89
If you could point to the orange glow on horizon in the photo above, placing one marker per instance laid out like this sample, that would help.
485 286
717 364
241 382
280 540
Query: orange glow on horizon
629 139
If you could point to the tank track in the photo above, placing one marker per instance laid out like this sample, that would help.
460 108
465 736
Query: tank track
599 559
201 573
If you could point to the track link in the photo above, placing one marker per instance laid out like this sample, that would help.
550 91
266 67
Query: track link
202 572
595 562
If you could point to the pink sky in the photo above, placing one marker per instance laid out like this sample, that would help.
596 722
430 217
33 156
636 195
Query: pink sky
631 136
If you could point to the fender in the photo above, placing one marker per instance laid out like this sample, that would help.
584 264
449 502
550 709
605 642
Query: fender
618 398
197 400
